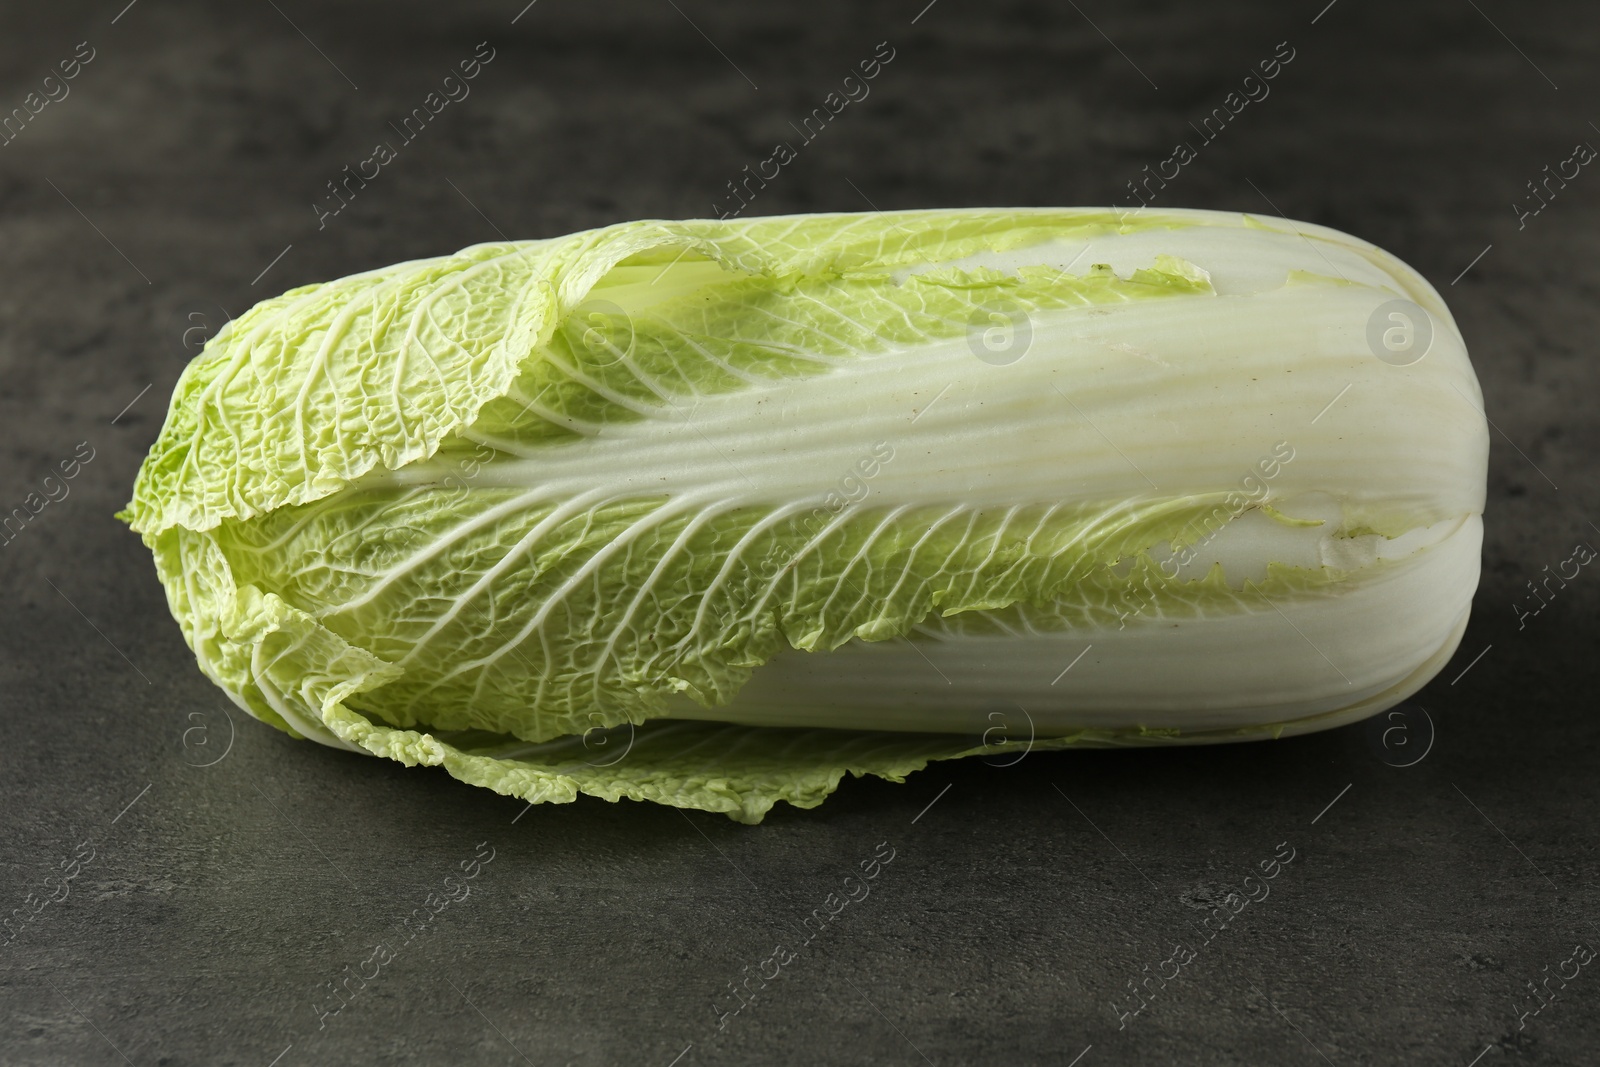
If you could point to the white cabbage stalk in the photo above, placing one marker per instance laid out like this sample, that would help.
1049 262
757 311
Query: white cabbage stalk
712 513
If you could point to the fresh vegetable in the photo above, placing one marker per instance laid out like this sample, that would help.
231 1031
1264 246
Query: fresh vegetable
713 512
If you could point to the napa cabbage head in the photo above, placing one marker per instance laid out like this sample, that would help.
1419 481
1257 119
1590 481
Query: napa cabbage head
712 513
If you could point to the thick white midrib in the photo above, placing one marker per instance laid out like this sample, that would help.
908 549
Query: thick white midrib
1008 436
1239 257
1239 668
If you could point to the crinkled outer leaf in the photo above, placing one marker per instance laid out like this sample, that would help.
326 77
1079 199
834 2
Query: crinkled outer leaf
504 512
307 391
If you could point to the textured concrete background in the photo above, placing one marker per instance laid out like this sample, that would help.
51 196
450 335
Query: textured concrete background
137 214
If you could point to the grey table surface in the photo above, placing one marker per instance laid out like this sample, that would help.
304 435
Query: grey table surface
236 872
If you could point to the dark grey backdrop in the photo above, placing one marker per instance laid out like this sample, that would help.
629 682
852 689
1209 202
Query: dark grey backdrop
141 209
